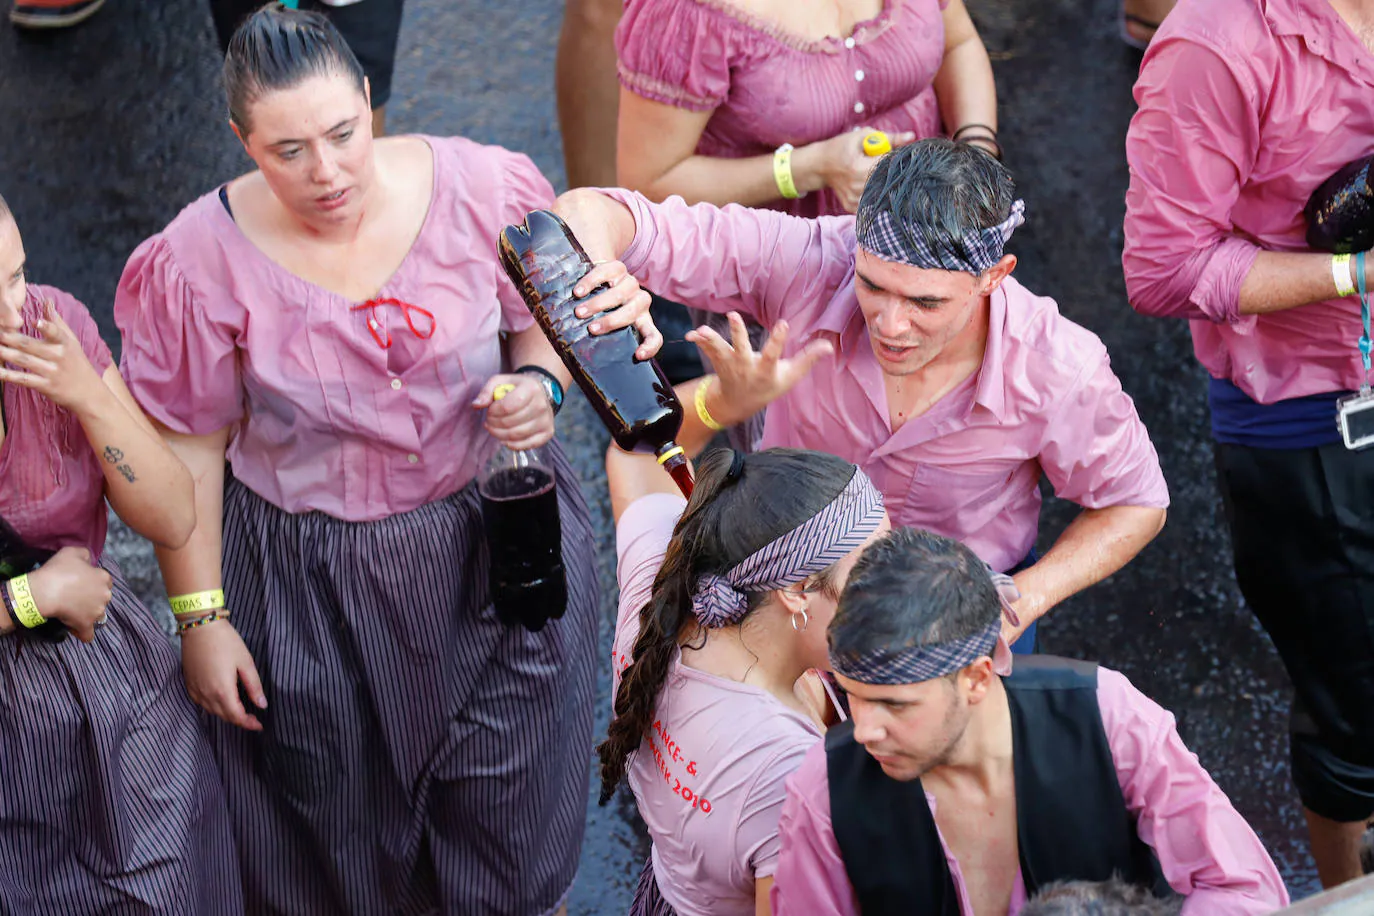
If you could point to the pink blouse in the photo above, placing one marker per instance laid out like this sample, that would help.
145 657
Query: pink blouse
765 87
52 489
217 334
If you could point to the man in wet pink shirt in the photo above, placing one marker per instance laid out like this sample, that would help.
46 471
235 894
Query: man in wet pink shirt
952 386
959 787
1246 108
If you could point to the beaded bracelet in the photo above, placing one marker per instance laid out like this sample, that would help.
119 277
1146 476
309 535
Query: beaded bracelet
186 626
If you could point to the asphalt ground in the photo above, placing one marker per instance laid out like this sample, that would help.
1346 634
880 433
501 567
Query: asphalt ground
107 130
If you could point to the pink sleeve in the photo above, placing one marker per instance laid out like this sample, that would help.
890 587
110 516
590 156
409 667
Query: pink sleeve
757 838
1098 452
526 189
810 879
83 326
765 264
1206 849
674 52
641 540
180 362
1191 147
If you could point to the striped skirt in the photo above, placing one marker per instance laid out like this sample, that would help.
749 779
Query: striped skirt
648 899
110 801
418 755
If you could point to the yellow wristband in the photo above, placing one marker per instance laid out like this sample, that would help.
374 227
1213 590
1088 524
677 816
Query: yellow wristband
671 453
782 172
197 602
1340 272
25 608
702 412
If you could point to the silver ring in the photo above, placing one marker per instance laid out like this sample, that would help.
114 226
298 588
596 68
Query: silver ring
103 619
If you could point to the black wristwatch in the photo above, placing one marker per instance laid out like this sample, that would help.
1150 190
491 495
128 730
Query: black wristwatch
553 388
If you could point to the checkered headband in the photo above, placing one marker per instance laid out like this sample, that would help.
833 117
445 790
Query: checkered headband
973 253
813 546
915 664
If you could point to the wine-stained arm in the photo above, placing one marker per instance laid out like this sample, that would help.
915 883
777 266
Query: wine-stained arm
747 382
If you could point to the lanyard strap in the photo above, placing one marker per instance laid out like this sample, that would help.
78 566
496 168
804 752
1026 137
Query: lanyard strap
1365 343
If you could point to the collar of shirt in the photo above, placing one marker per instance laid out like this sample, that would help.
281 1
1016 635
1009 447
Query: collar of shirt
843 319
1324 32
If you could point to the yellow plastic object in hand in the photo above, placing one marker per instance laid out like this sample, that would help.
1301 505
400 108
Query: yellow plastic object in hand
876 143
501 391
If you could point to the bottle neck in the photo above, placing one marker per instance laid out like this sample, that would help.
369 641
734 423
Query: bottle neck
673 459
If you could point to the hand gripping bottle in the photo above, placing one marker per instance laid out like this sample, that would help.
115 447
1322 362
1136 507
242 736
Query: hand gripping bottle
634 399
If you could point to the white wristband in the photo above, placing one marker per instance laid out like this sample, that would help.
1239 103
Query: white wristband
1340 272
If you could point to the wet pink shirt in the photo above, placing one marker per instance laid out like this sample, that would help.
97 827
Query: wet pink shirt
52 489
1246 107
1045 401
710 781
765 87
1206 849
216 333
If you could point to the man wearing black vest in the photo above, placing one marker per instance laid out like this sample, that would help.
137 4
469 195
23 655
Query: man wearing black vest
960 788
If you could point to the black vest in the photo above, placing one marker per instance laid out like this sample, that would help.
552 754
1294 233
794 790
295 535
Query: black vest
1071 819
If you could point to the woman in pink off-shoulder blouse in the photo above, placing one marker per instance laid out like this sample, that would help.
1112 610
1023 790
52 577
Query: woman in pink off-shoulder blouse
712 88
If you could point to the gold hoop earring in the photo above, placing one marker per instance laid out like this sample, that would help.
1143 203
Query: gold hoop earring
805 618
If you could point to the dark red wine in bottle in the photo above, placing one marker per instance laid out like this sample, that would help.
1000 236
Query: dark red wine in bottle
1340 213
18 558
634 399
524 539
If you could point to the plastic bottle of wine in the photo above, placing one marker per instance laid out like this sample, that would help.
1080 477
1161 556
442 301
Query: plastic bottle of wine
520 514
634 399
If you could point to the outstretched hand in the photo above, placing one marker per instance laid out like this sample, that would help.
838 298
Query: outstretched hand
751 381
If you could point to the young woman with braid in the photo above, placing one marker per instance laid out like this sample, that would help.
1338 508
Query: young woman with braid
110 801
723 609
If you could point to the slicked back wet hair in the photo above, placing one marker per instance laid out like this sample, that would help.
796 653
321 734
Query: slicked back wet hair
279 48
910 589
938 192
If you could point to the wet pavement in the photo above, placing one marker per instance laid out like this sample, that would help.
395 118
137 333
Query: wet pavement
107 130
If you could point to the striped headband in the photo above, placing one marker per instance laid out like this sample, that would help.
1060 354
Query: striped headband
916 664
974 253
813 546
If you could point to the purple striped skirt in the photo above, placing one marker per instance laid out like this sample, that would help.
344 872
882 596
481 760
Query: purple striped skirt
648 899
110 801
418 755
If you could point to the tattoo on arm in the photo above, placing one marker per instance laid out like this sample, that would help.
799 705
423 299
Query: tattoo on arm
113 455
127 471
